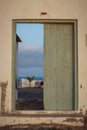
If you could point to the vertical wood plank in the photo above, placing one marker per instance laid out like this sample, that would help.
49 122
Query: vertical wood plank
64 67
50 67
58 67
13 93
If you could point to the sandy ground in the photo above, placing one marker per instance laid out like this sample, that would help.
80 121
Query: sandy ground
30 99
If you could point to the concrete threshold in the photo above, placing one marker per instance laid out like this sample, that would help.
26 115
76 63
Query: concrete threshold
41 117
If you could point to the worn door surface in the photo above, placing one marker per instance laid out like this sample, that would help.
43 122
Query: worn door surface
58 67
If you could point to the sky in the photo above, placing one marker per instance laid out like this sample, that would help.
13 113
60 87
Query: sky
30 50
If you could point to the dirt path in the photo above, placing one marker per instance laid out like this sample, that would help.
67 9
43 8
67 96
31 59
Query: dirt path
30 99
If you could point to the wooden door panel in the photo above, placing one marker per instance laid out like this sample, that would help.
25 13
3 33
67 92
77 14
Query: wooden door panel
64 67
58 67
50 68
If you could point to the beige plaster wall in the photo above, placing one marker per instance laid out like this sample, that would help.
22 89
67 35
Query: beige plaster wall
31 9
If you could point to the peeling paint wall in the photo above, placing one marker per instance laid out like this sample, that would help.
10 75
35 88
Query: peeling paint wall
46 9
3 86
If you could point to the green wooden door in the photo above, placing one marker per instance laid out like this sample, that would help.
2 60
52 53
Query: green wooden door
58 67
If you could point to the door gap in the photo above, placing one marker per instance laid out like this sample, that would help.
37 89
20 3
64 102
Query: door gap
29 66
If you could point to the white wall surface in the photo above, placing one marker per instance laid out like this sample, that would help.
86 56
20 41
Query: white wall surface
31 9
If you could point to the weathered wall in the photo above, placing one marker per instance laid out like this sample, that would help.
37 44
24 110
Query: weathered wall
31 9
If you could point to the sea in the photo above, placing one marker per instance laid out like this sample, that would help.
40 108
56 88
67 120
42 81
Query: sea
36 78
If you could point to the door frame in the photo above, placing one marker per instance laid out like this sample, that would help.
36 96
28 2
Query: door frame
43 21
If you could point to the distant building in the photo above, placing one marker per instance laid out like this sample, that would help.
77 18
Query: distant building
18 40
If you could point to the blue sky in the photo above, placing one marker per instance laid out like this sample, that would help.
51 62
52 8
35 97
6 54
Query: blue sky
30 51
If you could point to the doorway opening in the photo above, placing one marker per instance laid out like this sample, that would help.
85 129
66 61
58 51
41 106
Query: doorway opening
60 64
29 66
